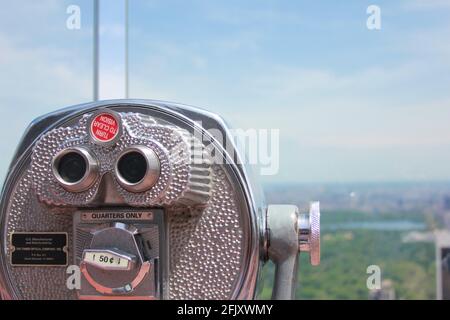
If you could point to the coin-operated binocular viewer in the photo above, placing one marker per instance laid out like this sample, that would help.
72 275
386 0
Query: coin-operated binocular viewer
145 203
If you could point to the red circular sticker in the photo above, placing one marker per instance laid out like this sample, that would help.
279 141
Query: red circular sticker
104 127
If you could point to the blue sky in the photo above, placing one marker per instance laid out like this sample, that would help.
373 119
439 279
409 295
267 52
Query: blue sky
43 65
351 104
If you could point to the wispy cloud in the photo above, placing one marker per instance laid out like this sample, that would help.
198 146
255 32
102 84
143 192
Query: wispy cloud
426 4
241 15
43 66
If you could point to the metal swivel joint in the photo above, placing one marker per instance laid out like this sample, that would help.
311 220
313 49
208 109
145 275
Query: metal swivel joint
290 233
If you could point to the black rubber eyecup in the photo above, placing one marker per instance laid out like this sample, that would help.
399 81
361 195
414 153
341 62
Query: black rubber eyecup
72 167
132 167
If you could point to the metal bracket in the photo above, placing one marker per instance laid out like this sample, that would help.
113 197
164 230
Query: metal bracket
289 234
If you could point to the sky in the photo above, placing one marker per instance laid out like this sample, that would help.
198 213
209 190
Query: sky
351 104
43 65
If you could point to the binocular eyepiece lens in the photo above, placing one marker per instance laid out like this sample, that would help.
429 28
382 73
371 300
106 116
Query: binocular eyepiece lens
132 167
137 169
72 167
75 169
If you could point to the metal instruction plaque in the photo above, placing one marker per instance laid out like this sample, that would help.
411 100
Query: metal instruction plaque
39 249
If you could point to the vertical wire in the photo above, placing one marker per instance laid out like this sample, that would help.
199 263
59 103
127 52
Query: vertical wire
127 88
96 51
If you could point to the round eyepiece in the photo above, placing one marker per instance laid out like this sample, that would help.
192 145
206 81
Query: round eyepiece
132 166
137 168
75 169
72 167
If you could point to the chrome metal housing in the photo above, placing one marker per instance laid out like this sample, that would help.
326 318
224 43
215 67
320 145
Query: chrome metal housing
235 175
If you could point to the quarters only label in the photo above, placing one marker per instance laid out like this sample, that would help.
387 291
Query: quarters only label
39 249
120 215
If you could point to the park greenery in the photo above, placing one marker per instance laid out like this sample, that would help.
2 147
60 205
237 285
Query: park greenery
346 254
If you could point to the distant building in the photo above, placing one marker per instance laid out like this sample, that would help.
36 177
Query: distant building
446 203
443 265
387 291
